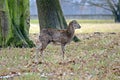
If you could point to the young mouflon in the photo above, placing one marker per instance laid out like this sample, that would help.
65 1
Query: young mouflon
56 36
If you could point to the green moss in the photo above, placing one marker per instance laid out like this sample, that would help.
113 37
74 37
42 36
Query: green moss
0 31
17 20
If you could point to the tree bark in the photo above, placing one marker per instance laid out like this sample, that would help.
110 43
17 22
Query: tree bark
14 23
116 17
50 15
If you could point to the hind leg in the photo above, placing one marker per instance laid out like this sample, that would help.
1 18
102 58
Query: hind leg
40 49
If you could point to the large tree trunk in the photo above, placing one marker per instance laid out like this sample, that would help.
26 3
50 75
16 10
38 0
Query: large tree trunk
14 23
50 15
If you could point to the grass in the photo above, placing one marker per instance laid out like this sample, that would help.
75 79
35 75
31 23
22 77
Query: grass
86 26
35 21
96 57
98 27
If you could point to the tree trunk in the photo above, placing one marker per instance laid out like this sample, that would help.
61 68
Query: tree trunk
50 15
14 23
116 15
117 18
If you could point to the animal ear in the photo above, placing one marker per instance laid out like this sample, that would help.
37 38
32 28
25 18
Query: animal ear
71 22
74 21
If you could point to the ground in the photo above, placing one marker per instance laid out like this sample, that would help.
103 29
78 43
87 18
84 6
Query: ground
95 57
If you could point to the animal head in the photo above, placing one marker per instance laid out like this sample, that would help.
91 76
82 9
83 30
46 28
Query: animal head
75 24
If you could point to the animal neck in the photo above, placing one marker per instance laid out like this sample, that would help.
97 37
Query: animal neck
70 30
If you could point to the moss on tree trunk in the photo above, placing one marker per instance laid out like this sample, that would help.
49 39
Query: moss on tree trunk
51 16
14 23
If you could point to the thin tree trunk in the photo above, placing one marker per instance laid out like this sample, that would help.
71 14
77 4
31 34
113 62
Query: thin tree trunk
50 15
118 12
14 23
116 16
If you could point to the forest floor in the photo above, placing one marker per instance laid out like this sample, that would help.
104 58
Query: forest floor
95 57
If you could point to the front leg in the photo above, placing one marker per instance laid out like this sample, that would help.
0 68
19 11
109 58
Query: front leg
63 50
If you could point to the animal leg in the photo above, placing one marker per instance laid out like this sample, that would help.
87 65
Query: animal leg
38 48
63 50
41 54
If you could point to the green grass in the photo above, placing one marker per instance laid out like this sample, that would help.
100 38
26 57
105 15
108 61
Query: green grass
92 21
35 21
87 27
98 27
96 57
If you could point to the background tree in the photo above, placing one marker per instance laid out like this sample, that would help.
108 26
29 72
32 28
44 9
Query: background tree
50 15
110 5
14 23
